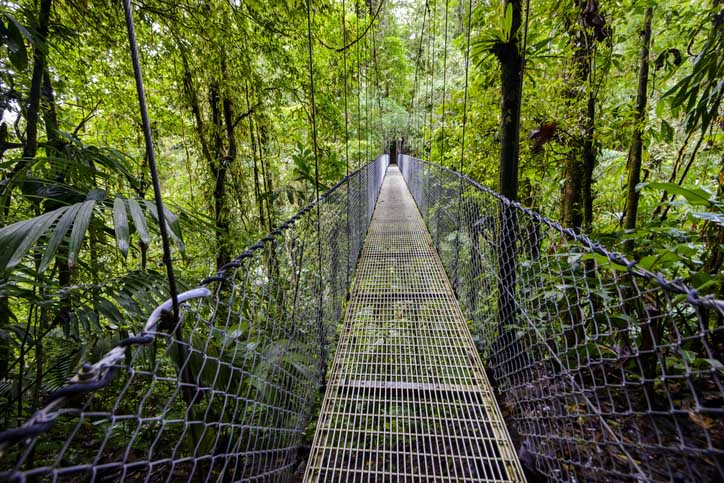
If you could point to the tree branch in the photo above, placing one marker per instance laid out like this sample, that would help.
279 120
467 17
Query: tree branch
87 118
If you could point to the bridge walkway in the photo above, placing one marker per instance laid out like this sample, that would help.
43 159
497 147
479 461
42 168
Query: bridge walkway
407 397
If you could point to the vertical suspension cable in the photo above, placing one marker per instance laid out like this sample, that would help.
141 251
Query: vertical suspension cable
346 142
367 99
420 120
465 89
412 114
462 147
444 87
433 17
359 117
150 152
424 81
359 88
320 320
378 96
416 101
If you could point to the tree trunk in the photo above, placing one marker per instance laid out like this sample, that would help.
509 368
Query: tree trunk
31 132
511 62
257 188
577 198
262 137
218 159
193 100
50 118
589 161
572 208
50 114
218 168
30 146
571 203
636 155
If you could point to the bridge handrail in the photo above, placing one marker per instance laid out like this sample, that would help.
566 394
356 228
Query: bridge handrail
676 285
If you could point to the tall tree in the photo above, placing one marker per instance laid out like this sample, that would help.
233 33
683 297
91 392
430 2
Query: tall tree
588 28
636 152
510 56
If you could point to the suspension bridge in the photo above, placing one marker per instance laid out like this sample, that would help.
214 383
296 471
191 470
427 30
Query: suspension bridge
449 333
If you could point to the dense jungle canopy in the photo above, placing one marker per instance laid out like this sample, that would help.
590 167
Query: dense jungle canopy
621 137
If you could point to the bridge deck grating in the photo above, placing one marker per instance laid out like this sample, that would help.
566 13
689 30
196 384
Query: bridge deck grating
407 397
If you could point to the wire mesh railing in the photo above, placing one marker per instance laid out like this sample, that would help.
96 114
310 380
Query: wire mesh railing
225 393
605 370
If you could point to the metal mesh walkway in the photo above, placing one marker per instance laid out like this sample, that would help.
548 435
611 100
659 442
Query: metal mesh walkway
407 398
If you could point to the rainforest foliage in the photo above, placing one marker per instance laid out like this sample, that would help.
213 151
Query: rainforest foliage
620 136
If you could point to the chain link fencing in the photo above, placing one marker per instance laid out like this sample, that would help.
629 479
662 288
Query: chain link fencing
605 370
225 393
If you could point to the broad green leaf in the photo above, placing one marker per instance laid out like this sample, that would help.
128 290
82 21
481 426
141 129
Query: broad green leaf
120 224
172 223
110 311
16 35
139 220
695 196
21 28
61 229
96 194
19 237
703 281
660 108
652 261
603 262
10 237
79 228
667 132
508 25
716 218
716 365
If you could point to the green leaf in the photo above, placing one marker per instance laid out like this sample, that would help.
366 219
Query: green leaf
716 218
508 22
660 108
110 311
139 220
61 229
120 224
695 196
174 228
689 356
603 262
173 221
666 257
716 365
21 28
667 132
96 194
79 228
16 35
19 237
